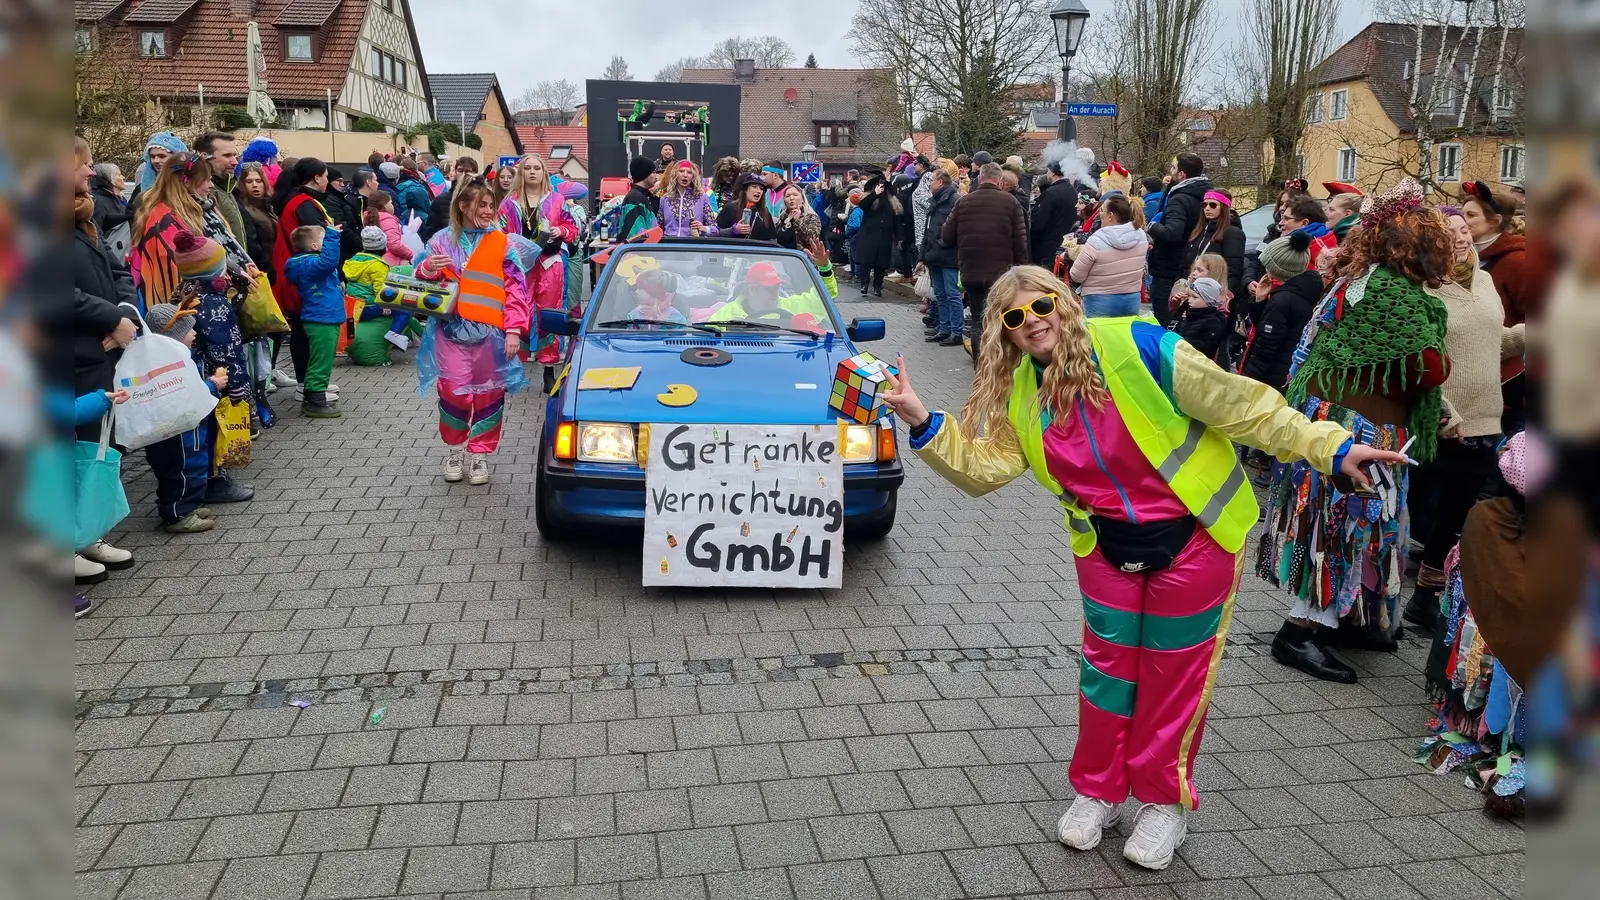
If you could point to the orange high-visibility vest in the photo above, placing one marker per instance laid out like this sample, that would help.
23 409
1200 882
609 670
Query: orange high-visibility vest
483 283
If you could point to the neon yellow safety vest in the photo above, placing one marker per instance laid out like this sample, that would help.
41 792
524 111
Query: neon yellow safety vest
1197 461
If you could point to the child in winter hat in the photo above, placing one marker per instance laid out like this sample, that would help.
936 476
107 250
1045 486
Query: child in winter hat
374 241
168 320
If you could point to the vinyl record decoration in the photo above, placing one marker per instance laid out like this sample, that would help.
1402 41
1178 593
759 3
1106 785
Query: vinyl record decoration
710 357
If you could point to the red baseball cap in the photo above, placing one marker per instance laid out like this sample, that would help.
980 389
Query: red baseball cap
764 274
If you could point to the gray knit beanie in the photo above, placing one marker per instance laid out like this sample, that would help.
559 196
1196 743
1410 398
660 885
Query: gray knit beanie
1287 256
164 319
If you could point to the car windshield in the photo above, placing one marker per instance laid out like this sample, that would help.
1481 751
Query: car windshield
1254 223
665 288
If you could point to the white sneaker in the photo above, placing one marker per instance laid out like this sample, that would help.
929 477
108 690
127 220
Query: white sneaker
478 469
272 386
107 555
1081 826
452 464
283 379
1158 832
87 571
397 339
332 393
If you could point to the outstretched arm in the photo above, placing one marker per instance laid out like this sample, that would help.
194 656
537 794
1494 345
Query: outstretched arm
975 465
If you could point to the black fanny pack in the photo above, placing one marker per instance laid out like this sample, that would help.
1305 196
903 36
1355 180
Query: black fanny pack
1143 547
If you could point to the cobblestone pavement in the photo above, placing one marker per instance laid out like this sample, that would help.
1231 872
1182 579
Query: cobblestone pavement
368 683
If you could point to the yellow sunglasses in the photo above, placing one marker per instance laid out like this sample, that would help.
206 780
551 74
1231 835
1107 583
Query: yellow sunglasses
1042 306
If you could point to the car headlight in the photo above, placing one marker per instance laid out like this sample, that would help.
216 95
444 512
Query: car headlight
860 443
605 442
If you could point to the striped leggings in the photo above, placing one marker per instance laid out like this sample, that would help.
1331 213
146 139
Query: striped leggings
471 419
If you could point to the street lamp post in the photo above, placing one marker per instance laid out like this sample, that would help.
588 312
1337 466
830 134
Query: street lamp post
1068 17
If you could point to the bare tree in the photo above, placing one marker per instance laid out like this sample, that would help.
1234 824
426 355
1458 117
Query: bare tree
673 71
1285 41
1461 58
561 94
112 109
963 59
769 52
1102 73
617 70
1165 39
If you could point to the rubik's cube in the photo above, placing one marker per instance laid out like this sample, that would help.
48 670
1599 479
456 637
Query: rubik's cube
858 387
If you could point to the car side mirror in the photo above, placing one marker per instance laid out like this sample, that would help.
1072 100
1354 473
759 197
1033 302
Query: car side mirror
866 329
557 322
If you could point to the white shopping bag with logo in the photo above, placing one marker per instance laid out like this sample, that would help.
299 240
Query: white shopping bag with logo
167 395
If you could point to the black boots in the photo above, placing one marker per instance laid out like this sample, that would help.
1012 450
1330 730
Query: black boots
1422 610
1297 647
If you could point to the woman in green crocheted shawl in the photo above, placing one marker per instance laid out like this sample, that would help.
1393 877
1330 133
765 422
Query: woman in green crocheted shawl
1372 359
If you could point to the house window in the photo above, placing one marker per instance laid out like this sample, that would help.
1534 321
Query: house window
560 151
83 39
388 5
1449 162
388 68
1504 97
1510 163
1347 164
1338 105
836 134
297 47
153 43
1314 109
1446 105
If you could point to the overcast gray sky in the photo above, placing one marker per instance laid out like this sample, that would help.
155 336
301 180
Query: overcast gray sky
522 42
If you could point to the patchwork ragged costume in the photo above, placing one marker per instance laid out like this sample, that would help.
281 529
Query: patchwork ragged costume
463 354
1375 342
1145 461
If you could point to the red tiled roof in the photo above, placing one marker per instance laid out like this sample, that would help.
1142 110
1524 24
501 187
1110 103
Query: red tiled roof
306 13
95 10
540 138
772 128
210 50
159 12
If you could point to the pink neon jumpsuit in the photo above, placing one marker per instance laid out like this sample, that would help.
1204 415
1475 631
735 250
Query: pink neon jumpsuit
1154 640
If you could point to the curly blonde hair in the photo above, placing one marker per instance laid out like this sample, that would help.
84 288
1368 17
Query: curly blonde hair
1070 375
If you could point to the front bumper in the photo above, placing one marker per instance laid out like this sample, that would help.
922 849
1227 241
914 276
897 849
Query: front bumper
613 495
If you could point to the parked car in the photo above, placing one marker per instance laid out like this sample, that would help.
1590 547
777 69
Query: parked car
668 307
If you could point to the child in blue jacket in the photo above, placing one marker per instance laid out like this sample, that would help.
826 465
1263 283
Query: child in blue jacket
314 272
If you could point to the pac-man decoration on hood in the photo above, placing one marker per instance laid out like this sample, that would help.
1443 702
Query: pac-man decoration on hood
678 395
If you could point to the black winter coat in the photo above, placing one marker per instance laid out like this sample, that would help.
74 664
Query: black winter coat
904 187
879 229
1054 216
258 239
99 285
934 252
762 228
1230 248
1203 328
109 210
986 230
1169 238
1288 309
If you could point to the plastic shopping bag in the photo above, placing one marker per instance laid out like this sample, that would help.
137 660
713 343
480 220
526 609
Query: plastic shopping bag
923 285
101 502
412 238
259 314
233 435
168 394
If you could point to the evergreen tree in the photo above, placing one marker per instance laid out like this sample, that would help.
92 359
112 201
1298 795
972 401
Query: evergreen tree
811 60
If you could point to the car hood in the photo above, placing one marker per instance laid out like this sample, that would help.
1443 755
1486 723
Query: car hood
777 380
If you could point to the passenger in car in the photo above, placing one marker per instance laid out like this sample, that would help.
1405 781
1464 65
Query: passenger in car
654 291
759 299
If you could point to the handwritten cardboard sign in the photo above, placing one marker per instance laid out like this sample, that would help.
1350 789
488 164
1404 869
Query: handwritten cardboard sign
744 506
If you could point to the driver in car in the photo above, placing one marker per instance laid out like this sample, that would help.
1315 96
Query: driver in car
759 300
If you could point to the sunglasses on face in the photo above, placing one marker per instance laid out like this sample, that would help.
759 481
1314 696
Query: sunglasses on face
1042 306
1211 204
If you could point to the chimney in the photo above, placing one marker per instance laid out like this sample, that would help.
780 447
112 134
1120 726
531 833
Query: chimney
744 70
242 9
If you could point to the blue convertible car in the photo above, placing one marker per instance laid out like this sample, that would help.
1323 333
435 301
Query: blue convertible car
750 328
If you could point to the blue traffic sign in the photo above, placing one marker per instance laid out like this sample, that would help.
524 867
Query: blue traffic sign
805 173
507 161
1091 109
